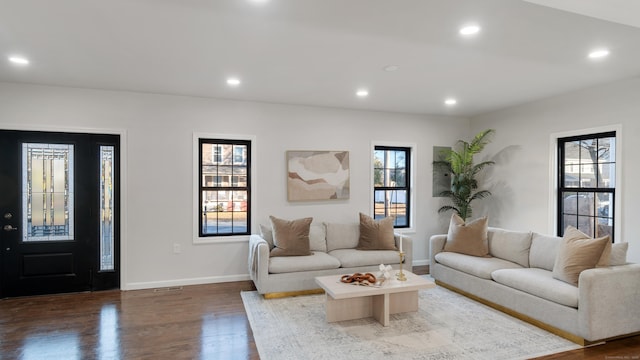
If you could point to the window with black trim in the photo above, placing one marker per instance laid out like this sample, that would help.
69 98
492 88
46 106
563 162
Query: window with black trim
224 187
587 183
391 184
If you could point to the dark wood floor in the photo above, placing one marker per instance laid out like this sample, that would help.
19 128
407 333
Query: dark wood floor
194 322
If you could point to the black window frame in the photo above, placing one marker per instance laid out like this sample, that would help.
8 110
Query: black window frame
218 186
578 190
407 185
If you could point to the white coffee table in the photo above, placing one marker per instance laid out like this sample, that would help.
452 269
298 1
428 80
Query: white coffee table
347 301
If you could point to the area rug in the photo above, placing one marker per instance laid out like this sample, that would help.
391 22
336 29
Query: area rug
446 326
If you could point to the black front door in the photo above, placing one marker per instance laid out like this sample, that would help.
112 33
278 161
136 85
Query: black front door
59 211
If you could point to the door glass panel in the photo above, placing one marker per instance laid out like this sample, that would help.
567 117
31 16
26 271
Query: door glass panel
47 192
106 208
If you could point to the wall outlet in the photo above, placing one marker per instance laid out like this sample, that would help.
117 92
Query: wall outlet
176 249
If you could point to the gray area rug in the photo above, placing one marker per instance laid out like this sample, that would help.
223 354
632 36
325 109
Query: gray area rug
447 326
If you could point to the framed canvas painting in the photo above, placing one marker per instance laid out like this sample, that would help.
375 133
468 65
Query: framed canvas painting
317 175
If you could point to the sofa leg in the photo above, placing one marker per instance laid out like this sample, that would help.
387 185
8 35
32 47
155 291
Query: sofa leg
277 295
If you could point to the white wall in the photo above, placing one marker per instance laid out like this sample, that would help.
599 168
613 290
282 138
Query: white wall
157 174
521 181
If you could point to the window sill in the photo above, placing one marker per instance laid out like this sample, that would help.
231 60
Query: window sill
221 239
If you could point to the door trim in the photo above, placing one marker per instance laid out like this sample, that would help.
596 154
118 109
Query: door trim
124 284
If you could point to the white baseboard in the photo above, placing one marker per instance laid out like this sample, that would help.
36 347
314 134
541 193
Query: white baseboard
185 282
421 262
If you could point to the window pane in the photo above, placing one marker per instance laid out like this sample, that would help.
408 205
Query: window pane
400 161
606 150
569 220
106 208
585 224
585 204
588 151
607 175
209 175
399 207
239 154
570 203
400 177
47 192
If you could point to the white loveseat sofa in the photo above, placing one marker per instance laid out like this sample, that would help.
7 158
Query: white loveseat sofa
517 279
333 247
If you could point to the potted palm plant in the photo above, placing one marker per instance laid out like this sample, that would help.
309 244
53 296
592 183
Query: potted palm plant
458 162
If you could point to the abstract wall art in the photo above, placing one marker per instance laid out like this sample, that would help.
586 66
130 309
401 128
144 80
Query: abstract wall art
317 175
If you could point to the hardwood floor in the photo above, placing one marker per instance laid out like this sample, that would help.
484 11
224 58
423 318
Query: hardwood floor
193 322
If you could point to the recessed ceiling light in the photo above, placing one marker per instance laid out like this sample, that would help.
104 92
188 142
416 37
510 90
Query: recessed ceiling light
451 101
362 93
391 68
600 53
469 30
259 1
19 60
233 81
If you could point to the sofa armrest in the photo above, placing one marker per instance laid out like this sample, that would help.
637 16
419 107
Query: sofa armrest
436 245
258 259
608 302
407 248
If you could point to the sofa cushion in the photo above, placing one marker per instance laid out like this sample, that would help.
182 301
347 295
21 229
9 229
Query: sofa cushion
317 237
290 237
510 245
467 238
543 251
478 266
342 236
376 235
353 257
317 261
618 254
267 234
577 252
540 283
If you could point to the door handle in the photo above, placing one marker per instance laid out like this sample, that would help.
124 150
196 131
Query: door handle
9 228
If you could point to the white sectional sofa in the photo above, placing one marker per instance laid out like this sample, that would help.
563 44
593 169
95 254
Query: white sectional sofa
333 247
517 279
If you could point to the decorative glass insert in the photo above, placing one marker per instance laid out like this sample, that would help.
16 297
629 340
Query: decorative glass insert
107 260
47 192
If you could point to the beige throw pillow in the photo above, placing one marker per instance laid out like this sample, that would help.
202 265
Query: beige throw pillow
290 238
577 252
376 235
468 238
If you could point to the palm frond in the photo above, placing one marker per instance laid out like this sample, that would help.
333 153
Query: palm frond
459 163
447 208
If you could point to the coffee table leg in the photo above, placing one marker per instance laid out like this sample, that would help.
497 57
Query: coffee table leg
378 306
347 309
381 308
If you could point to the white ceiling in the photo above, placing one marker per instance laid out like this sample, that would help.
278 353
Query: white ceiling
318 52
